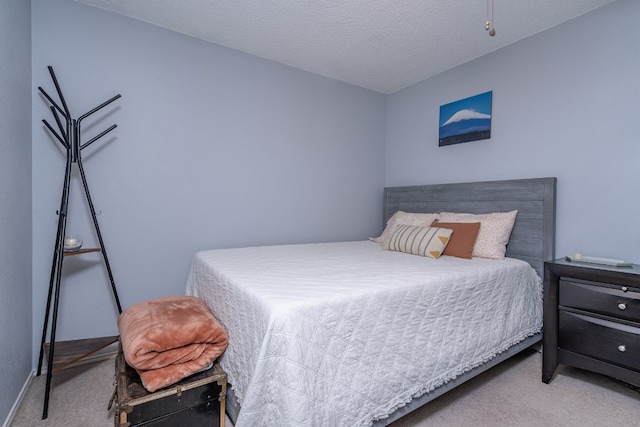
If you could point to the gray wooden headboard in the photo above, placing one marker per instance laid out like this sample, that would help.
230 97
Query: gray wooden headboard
534 234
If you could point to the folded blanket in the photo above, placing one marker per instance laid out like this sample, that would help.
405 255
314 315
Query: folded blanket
168 339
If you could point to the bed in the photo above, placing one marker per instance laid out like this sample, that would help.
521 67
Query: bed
351 334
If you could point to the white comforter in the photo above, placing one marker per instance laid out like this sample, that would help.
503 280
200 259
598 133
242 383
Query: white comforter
340 334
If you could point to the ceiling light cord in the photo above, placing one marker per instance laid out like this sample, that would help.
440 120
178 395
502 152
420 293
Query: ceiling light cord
488 23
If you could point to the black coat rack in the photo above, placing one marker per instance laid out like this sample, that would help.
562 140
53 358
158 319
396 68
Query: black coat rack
69 135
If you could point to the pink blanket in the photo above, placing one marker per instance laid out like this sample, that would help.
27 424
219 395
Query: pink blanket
168 339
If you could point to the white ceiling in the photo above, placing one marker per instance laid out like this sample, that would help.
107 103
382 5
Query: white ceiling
382 45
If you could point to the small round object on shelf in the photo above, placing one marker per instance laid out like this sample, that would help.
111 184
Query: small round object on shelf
72 243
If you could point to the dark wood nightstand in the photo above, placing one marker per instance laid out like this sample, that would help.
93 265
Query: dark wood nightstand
592 319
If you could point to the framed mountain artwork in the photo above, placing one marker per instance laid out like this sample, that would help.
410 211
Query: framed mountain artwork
466 120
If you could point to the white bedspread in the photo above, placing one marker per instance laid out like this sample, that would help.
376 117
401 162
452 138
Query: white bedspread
340 334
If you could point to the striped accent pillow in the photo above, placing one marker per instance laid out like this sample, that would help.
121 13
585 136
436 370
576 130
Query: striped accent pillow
418 240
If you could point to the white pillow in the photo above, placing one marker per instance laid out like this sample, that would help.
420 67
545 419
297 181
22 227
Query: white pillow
405 218
495 230
417 240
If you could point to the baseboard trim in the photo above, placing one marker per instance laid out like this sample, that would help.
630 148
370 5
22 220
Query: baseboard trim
16 404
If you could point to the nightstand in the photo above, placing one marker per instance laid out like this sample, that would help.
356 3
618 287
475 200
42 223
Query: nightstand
592 319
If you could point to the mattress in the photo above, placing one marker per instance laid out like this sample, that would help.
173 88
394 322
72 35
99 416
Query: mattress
343 334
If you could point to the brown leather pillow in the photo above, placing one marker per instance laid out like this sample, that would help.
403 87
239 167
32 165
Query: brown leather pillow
463 238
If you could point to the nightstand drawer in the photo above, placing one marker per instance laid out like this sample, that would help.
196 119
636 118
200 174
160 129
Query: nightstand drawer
600 299
601 339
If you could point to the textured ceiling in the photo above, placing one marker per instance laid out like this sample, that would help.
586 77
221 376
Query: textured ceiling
382 45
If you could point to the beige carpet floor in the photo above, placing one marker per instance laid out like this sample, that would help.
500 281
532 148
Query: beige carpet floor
511 394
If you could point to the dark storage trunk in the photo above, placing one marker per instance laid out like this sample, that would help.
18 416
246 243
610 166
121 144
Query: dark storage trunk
198 400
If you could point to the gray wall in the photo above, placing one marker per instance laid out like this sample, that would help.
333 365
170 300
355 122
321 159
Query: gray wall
214 148
565 104
15 200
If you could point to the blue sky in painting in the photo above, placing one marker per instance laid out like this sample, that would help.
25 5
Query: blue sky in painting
479 103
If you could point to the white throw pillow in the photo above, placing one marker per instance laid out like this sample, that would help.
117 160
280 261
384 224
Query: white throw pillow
405 218
495 230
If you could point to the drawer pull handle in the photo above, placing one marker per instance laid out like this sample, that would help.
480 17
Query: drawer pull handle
622 348
622 306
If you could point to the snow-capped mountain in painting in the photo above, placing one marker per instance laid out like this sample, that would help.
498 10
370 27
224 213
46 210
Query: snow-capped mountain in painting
465 121
466 115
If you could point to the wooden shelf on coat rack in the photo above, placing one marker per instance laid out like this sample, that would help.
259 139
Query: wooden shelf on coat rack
72 351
